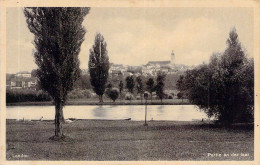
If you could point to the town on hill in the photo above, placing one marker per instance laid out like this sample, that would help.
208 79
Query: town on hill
25 81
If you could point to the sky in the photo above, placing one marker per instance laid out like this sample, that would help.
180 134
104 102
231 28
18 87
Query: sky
135 36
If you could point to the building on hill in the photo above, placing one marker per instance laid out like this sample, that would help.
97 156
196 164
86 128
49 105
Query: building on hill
134 69
23 82
164 63
165 69
160 63
126 74
172 59
24 74
116 73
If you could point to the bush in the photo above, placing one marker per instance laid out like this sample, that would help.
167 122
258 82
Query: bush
138 97
72 96
79 94
129 96
180 95
42 96
87 93
170 96
113 93
24 95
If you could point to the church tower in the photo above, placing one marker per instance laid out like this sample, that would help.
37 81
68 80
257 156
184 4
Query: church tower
172 58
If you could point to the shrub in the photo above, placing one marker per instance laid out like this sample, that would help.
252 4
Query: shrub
79 94
72 96
113 94
180 95
24 95
87 93
129 96
138 97
170 96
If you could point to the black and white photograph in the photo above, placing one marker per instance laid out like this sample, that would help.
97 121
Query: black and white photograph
95 83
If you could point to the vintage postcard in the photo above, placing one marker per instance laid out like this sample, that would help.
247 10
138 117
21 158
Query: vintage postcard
130 82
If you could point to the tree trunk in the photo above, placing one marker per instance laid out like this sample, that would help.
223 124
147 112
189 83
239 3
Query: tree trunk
151 96
58 120
62 116
100 98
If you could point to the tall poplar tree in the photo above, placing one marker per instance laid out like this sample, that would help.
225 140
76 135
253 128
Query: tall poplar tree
130 83
140 87
160 85
121 88
99 66
150 86
58 35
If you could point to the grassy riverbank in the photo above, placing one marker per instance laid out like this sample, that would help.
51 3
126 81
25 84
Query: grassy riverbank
94 101
129 140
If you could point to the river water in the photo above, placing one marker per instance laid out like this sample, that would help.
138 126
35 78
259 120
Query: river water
109 112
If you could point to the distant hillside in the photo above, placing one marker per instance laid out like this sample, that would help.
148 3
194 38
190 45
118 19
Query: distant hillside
171 80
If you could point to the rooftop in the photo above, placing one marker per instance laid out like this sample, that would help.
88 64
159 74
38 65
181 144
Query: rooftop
159 62
23 72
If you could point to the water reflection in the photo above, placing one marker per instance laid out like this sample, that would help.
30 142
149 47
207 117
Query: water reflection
99 112
161 108
135 112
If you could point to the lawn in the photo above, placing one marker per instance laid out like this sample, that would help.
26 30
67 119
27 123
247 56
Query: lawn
129 140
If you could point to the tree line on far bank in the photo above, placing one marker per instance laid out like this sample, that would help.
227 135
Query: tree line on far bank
138 85
121 89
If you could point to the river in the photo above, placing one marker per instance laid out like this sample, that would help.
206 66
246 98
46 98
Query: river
109 112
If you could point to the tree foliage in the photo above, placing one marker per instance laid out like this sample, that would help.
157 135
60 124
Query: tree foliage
225 87
109 85
180 83
121 86
58 35
160 85
113 93
150 86
130 83
34 73
83 82
99 66
180 95
139 85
